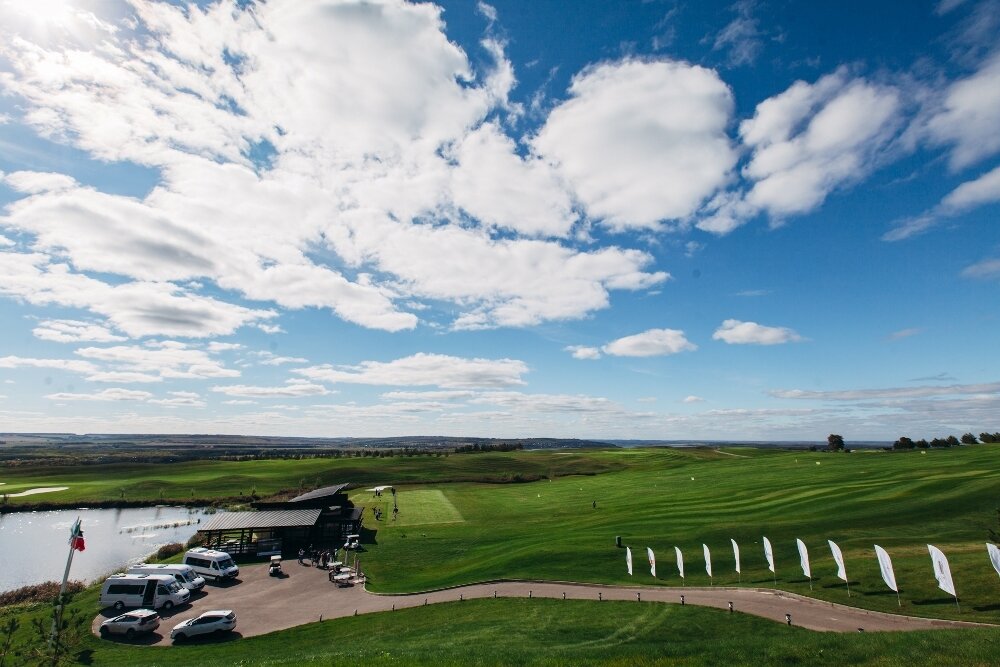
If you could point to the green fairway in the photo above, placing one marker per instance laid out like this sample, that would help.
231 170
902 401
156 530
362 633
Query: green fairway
652 497
417 507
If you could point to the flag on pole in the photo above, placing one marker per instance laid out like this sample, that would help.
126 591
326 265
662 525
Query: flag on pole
994 553
76 537
838 556
708 559
680 561
942 572
885 564
769 554
628 559
804 560
652 561
736 554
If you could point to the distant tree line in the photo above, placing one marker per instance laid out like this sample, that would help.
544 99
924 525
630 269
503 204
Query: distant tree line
951 441
499 447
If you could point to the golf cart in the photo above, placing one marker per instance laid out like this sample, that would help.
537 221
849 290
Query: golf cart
274 569
353 542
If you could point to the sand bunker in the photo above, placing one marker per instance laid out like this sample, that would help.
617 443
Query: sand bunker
31 492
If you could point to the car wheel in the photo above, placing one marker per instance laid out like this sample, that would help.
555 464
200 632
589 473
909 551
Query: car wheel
104 631
130 633
119 605
168 605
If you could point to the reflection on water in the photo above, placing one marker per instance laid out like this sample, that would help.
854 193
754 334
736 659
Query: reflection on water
34 545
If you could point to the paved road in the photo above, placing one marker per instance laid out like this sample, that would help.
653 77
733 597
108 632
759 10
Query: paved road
265 604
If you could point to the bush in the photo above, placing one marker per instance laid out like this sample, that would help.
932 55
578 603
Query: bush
168 550
44 592
195 540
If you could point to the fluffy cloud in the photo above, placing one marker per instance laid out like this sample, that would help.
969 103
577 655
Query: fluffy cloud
651 343
641 141
888 393
73 331
806 142
291 389
351 191
185 399
73 365
171 360
136 308
693 399
736 332
987 268
969 117
424 369
968 195
114 394
583 352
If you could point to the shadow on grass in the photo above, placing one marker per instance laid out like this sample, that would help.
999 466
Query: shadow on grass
879 593
144 639
222 638
988 607
949 601
367 536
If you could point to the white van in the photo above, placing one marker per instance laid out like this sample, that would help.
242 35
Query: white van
151 591
212 563
184 574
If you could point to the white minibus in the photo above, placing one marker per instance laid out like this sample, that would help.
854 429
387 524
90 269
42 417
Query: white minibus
184 574
212 563
150 591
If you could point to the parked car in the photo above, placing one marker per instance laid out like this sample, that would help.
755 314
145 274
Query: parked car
131 624
211 622
185 575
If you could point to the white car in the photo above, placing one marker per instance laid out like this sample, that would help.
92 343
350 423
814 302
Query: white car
131 624
211 622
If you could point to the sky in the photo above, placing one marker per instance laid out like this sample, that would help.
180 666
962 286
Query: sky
649 220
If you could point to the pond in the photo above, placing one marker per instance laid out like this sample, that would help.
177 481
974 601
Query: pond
34 545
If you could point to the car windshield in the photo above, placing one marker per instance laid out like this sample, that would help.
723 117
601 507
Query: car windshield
226 564
188 576
173 587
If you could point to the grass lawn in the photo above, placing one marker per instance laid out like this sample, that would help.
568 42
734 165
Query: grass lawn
453 528
555 632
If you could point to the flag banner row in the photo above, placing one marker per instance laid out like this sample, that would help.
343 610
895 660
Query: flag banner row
942 569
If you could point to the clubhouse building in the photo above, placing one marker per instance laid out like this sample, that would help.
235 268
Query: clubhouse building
322 518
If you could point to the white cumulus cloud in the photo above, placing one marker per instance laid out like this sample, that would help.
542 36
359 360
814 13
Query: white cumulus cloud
736 332
651 343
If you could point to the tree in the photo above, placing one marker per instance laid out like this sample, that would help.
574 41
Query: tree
938 442
986 438
834 442
923 444
903 443
969 439
952 441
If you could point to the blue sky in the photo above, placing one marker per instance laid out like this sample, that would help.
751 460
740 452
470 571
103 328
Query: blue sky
651 219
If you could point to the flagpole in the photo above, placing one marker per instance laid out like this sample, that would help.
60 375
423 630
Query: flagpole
57 616
898 601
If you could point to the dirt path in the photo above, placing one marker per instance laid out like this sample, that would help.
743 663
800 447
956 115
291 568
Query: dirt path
265 604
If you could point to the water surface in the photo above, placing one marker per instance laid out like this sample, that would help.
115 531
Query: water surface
34 545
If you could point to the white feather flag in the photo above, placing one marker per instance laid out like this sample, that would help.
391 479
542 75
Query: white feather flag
708 559
769 554
652 561
885 564
994 556
628 559
736 554
803 557
838 556
942 572
680 561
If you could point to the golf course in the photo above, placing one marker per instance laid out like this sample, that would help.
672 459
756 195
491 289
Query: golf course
554 516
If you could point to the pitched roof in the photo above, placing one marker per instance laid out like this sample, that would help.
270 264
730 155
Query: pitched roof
264 519
319 493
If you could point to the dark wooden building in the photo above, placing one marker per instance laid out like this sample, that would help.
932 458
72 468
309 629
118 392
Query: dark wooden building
322 518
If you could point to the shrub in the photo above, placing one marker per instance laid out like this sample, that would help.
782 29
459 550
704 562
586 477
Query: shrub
44 592
168 550
195 540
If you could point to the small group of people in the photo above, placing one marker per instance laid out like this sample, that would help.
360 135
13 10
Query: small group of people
320 559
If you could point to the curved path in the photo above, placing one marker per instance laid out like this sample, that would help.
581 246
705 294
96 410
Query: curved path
265 604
